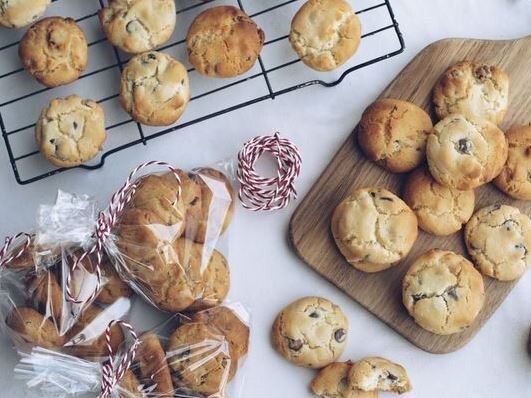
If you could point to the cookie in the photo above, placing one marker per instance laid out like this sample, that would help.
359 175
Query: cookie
114 287
374 229
325 33
70 131
136 26
199 357
310 332
474 90
27 326
376 373
498 238
89 324
229 324
443 292
153 367
211 215
440 210
332 382
154 89
393 133
129 386
224 42
54 51
47 296
19 13
465 153
515 177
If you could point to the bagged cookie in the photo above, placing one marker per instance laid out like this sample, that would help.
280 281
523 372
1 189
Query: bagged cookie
195 355
166 239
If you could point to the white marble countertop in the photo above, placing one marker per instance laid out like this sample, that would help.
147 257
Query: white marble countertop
266 274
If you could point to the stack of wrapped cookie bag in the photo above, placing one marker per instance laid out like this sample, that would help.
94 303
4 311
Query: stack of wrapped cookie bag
164 234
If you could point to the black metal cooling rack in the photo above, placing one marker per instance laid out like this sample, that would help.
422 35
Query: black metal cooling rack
388 24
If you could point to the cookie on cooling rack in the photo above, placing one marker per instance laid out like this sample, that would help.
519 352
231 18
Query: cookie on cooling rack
70 131
154 89
474 90
54 51
325 33
19 13
224 42
136 26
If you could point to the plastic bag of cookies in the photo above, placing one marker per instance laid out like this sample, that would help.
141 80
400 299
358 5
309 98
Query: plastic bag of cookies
198 355
47 304
166 241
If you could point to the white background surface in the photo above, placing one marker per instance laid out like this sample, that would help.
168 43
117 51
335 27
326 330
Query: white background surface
266 275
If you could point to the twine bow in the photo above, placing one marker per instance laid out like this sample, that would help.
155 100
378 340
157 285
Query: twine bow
106 222
6 259
260 193
111 376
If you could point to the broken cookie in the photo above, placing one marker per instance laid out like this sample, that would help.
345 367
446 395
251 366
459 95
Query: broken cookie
378 374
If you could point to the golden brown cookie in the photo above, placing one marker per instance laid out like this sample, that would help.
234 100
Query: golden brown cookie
465 153
332 382
136 26
229 324
154 89
153 366
374 229
443 292
378 374
310 332
211 215
440 210
19 13
200 359
224 42
27 326
393 133
498 238
97 347
515 177
47 295
54 50
114 286
325 33
474 90
70 131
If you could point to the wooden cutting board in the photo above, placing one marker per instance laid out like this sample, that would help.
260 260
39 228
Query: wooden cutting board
380 293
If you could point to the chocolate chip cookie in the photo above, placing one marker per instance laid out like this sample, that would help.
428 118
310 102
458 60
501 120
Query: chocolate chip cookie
332 382
310 332
498 238
440 210
19 13
374 229
154 89
223 41
515 177
464 153
378 374
70 131
136 26
443 292
54 50
475 90
325 33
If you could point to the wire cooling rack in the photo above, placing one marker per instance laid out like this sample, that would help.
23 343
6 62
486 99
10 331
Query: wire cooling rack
278 71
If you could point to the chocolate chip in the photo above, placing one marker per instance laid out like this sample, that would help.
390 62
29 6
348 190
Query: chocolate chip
194 201
392 377
314 314
52 141
452 293
75 126
340 335
482 72
385 198
521 246
418 296
152 56
464 146
373 194
295 345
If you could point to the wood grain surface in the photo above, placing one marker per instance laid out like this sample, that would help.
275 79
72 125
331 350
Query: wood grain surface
380 293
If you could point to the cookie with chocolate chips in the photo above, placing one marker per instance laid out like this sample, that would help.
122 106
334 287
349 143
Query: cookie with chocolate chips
310 332
378 374
443 292
332 382
498 239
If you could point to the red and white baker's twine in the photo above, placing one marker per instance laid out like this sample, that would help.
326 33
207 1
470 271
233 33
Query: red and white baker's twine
4 258
106 222
261 193
109 375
